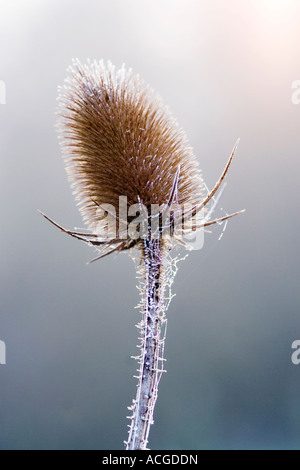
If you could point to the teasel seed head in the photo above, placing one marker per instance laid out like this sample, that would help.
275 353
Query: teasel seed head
118 139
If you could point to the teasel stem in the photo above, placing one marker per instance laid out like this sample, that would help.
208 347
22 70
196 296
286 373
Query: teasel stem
152 328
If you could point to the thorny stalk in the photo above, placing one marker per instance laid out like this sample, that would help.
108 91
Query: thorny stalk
152 337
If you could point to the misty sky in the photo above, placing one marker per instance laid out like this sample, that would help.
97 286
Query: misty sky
225 70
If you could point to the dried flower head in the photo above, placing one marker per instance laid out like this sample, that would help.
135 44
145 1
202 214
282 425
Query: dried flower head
119 140
122 146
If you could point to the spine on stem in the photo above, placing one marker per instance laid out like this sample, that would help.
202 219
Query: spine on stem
152 337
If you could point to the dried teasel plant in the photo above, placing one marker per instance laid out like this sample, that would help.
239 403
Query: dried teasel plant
133 173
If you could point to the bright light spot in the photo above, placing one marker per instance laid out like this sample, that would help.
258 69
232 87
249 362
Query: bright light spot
276 5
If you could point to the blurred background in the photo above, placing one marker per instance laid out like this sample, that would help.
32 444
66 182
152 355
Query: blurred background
226 70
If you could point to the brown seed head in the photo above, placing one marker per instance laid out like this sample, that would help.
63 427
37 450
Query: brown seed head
119 140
